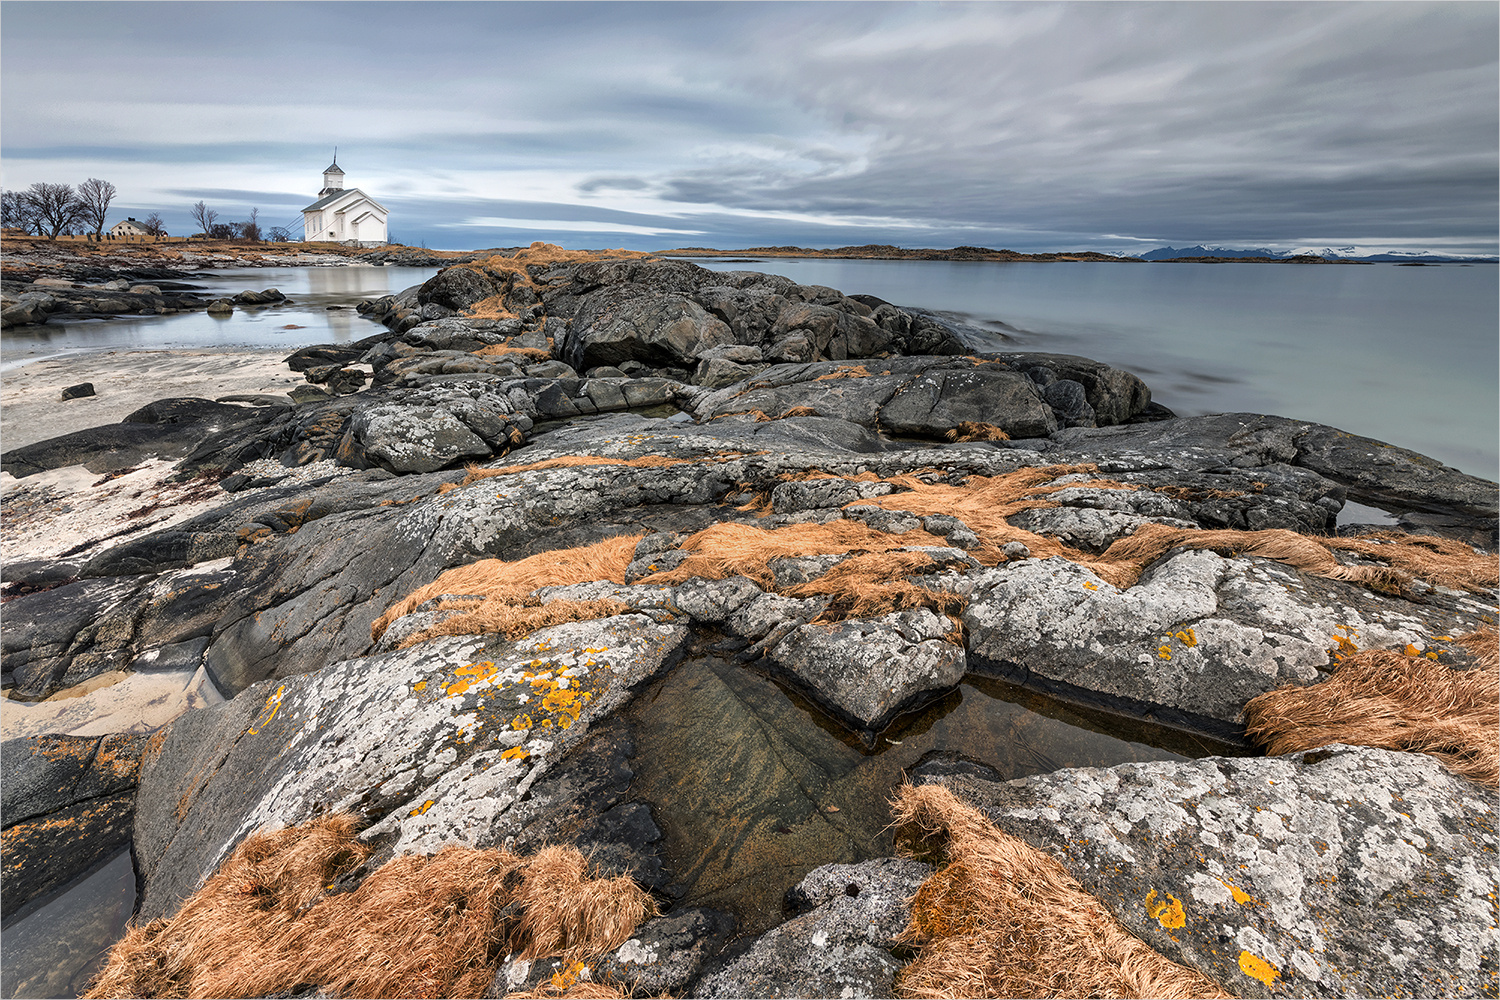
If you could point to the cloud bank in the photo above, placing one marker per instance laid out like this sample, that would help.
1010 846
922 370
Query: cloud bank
1031 126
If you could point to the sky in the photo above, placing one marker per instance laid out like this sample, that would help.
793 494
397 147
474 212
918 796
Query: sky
1117 127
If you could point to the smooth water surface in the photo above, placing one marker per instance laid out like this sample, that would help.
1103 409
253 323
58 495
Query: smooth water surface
54 950
754 787
307 320
1407 355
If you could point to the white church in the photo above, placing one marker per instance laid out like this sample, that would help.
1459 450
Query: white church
343 215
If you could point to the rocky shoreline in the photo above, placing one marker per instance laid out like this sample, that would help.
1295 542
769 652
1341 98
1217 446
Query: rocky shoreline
446 586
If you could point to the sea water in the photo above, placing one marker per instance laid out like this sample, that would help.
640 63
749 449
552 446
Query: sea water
1406 355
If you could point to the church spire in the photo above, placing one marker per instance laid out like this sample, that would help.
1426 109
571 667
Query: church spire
333 177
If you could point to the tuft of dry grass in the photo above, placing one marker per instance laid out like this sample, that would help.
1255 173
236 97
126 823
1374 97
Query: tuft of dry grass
516 353
417 926
1388 699
973 430
1001 918
509 584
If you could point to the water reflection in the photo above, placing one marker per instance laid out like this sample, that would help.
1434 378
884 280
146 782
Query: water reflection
306 319
54 950
755 787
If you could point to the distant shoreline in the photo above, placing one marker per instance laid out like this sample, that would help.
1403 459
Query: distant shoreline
883 252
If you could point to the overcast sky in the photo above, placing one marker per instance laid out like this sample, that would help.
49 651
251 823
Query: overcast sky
1050 126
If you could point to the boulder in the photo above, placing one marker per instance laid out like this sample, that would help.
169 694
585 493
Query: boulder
78 391
870 670
841 947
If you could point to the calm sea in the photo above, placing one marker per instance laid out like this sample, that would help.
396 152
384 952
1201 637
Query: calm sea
1408 355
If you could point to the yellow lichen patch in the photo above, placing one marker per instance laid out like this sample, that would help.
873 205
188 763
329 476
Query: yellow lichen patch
272 706
1240 895
515 753
1166 911
1090 585
1258 968
469 675
1163 652
419 686
1187 637
421 810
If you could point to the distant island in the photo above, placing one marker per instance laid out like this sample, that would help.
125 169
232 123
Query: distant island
1161 255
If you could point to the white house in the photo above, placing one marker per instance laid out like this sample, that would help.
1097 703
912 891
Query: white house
343 215
129 228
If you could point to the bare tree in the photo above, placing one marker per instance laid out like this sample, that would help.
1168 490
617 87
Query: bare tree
250 230
16 212
154 225
95 196
279 234
205 217
223 231
57 207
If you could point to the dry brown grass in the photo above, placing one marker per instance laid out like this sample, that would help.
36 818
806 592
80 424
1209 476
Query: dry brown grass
1382 698
985 503
415 927
504 584
1003 919
516 353
973 430
874 580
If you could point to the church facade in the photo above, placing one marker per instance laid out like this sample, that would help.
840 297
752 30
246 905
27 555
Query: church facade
343 215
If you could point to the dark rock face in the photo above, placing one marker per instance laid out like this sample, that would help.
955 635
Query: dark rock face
930 397
78 391
68 803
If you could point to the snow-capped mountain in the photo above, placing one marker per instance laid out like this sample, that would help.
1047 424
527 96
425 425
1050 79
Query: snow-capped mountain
1330 253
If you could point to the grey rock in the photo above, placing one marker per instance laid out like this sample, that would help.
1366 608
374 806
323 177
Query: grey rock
1350 871
816 494
220 307
841 948
78 391
869 670
1198 636
67 803
414 740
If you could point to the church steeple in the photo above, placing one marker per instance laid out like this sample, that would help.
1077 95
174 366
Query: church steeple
333 177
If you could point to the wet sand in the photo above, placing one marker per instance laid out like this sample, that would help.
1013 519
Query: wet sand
32 408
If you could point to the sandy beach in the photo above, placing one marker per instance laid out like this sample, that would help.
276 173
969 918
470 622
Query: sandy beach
32 408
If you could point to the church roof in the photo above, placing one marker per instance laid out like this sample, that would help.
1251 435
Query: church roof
324 202
334 169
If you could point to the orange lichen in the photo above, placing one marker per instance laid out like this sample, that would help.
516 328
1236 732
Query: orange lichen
1166 911
1258 968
